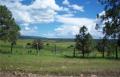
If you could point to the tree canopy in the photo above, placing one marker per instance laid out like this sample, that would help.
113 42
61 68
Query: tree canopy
111 20
9 29
84 42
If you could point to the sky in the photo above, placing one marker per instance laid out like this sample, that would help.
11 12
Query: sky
55 18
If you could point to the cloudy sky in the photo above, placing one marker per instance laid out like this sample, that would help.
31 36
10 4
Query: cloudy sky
55 18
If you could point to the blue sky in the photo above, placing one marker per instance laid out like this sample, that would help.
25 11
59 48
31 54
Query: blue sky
55 18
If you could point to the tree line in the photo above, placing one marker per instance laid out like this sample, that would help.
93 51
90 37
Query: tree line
111 30
9 29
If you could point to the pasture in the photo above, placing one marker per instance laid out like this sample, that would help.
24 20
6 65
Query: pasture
59 63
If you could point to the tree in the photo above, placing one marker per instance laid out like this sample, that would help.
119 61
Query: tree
102 45
118 42
83 41
9 30
89 43
111 19
37 44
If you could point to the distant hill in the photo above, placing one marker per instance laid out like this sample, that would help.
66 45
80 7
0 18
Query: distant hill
44 38
31 37
56 39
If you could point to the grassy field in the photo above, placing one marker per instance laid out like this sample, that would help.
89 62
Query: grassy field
61 63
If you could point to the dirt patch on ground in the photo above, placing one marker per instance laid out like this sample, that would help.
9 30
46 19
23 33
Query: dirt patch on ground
21 74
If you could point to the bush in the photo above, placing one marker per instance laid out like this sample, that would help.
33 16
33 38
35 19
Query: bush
47 44
28 44
71 46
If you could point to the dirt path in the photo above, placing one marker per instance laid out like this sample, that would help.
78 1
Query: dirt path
20 74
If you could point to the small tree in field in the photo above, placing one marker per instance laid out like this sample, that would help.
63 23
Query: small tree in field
9 30
83 41
37 44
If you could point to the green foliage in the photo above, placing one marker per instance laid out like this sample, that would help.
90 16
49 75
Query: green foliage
118 42
84 41
9 30
71 46
37 44
80 38
111 19
89 43
47 44
28 44
102 45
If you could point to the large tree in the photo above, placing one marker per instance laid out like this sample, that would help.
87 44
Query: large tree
89 43
102 45
111 20
83 41
9 30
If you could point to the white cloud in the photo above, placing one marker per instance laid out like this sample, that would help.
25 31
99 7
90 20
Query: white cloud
102 13
44 4
45 11
66 31
27 28
77 7
39 11
73 6
66 15
25 24
71 25
74 20
66 2
29 31
35 27
66 9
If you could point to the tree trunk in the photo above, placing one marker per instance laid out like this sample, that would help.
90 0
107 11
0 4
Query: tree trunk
83 50
108 53
37 48
11 48
74 52
103 52
116 52
55 49
83 54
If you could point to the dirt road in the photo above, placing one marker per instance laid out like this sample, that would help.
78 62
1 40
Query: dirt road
21 74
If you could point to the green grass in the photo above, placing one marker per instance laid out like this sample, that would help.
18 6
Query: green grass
47 62
56 64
